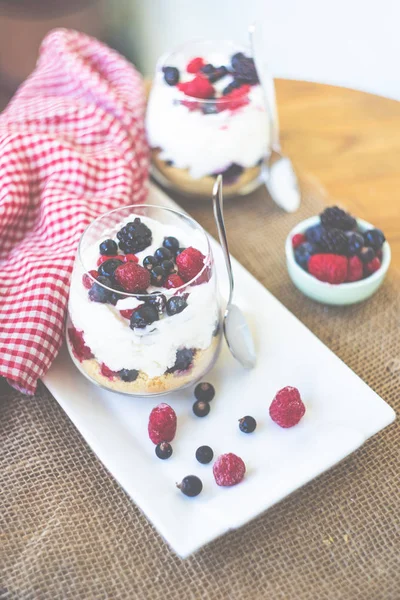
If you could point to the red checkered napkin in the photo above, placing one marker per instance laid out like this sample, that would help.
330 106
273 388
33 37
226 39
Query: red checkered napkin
72 146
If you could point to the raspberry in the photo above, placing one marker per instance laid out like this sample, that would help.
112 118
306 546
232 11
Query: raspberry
132 277
80 350
373 265
330 268
127 313
88 281
130 258
199 87
355 271
229 469
104 258
287 407
298 239
236 98
190 262
195 65
106 372
174 281
162 424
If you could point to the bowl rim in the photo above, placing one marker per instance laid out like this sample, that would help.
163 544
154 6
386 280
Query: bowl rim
352 285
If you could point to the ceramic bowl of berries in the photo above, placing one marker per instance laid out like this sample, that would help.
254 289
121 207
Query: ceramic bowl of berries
206 115
144 313
337 259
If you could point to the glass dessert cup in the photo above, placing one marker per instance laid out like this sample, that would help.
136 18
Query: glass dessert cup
194 139
111 337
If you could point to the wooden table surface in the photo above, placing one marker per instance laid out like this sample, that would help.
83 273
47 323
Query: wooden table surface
350 142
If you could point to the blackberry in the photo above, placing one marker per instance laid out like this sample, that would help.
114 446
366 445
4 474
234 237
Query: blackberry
97 293
171 75
313 234
176 305
128 375
204 391
163 450
108 267
183 360
303 253
171 243
374 238
204 454
334 241
143 316
201 408
134 237
355 242
190 485
338 218
108 248
247 424
244 68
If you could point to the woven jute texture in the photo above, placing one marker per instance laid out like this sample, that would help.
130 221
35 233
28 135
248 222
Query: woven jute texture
68 530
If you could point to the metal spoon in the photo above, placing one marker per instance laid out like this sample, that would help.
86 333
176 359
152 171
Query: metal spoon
236 330
277 169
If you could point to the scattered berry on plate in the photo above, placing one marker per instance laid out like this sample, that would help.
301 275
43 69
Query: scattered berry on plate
338 218
108 248
98 293
173 281
108 267
333 241
183 360
355 242
132 277
297 239
190 262
143 316
366 254
190 485
373 265
313 233
171 75
201 408
162 254
330 268
204 454
303 253
195 65
176 305
128 375
355 270
163 450
149 262
198 87
247 424
171 243
228 469
374 238
204 391
87 278
162 424
134 237
287 407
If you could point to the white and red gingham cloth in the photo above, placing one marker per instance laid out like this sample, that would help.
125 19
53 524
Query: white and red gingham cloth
72 146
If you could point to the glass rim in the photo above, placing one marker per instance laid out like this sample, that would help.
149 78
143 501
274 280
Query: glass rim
164 291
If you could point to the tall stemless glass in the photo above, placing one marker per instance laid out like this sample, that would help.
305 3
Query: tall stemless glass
207 117
154 340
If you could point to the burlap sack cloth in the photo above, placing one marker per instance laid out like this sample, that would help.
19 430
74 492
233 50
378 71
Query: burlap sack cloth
69 531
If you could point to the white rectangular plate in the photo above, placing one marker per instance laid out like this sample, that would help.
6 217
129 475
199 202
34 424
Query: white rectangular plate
342 412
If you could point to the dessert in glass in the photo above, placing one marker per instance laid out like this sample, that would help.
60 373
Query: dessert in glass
206 115
144 313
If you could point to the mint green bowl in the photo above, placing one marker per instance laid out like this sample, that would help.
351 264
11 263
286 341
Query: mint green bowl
327 293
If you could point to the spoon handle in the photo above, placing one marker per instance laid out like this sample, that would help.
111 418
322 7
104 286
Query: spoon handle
219 219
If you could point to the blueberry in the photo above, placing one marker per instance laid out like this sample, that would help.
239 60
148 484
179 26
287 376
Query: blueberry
374 238
234 85
183 360
247 424
366 254
171 75
190 485
204 391
108 248
108 267
115 296
167 266
171 243
210 108
204 454
159 301
176 305
157 275
355 242
217 74
150 262
303 253
99 294
163 254
163 450
143 316
179 251
313 234
201 408
128 375
208 69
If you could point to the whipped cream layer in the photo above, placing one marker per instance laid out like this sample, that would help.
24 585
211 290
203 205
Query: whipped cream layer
206 144
153 349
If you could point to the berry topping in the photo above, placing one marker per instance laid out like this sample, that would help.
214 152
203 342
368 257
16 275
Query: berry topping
373 265
163 450
204 391
174 281
217 74
298 239
190 485
108 267
150 262
355 269
313 234
167 266
134 237
115 296
183 360
132 277
108 248
201 408
80 350
98 293
234 85
374 238
130 258
231 174
128 375
163 254
237 98
171 75
143 316
204 454
210 108
355 242
366 254
171 243
157 300
190 262
247 424
303 253
195 65
179 251
162 424
87 279
199 87
157 275
334 241
244 68
338 218
287 407
102 259
330 268
176 305
229 469
106 372
127 313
